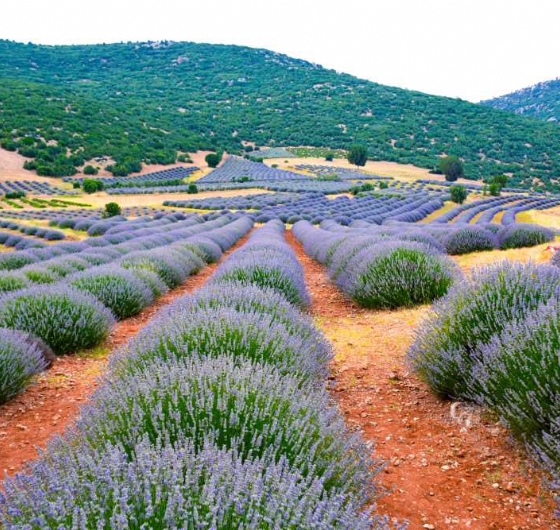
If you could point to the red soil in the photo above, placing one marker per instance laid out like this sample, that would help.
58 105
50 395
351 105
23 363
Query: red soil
52 402
447 466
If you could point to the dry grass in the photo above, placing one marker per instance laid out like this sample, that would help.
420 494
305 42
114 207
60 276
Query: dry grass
155 200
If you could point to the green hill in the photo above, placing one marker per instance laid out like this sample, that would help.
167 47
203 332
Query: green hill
146 101
540 101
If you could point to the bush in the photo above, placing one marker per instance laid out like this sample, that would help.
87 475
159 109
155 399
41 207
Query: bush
266 270
238 406
213 159
476 310
171 271
192 188
212 488
14 195
111 210
458 194
64 318
519 235
19 361
469 239
15 260
116 288
12 282
40 275
90 170
396 274
154 283
193 331
517 374
92 185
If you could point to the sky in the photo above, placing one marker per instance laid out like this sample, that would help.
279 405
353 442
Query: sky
470 49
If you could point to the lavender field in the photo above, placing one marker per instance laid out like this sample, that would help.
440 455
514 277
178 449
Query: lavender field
223 406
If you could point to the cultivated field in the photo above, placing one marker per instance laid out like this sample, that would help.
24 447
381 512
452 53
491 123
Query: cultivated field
287 348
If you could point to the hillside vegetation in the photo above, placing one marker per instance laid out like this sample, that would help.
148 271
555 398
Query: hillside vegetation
63 105
540 101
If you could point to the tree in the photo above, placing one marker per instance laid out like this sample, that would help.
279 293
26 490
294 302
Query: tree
90 170
329 157
92 185
500 180
458 194
494 189
192 188
213 159
452 168
358 155
112 209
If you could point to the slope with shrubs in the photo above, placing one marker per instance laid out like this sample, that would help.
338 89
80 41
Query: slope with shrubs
247 435
540 101
140 102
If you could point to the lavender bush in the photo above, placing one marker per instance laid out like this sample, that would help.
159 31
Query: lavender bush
173 489
12 282
469 239
249 408
154 283
20 359
171 270
475 310
64 318
396 274
242 335
116 288
519 235
517 374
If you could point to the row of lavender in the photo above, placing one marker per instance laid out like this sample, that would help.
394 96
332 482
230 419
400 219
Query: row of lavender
455 238
492 338
387 268
73 302
495 340
182 226
214 416
315 207
489 208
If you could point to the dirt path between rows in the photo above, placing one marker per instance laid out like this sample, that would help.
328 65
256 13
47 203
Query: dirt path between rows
448 467
52 402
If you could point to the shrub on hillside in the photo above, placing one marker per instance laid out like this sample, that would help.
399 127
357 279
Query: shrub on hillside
64 318
477 309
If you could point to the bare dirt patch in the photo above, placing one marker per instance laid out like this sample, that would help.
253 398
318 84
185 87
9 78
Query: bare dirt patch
449 466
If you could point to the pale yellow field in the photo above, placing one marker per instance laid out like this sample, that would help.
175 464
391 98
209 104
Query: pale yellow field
155 200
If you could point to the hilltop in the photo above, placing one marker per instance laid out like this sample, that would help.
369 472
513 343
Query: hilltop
135 103
540 101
